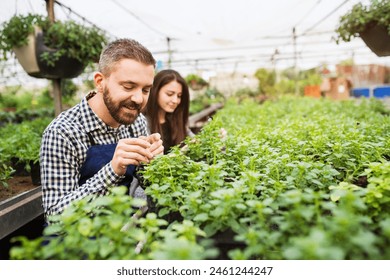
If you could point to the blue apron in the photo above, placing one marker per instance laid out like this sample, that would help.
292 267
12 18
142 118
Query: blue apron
97 157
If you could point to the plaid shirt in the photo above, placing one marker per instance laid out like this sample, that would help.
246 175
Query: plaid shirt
63 151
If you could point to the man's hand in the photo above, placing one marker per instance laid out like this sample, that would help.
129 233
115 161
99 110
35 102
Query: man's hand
136 151
156 147
130 151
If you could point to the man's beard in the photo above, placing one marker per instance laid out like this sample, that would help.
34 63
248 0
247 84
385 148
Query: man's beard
115 109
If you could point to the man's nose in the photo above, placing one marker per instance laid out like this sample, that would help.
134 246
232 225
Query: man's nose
137 96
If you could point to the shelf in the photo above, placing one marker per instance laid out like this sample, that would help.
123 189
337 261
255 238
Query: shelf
19 210
198 119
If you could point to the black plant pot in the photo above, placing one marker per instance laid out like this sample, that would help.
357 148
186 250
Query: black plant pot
35 173
30 57
64 67
19 167
224 242
377 39
170 217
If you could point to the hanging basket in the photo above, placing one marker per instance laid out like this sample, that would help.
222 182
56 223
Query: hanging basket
194 85
377 39
29 57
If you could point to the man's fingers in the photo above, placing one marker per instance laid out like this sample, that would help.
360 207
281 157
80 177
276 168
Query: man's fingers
158 151
140 146
155 145
154 138
136 151
135 141
126 156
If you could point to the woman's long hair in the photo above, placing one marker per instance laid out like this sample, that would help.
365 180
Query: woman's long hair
177 120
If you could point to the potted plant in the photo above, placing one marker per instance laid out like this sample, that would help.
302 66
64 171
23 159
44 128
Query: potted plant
50 50
369 22
195 82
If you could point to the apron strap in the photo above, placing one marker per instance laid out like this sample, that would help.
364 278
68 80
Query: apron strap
93 143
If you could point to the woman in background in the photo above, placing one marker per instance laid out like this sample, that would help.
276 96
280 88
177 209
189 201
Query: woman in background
167 108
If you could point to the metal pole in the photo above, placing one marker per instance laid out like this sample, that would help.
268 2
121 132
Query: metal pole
295 61
169 52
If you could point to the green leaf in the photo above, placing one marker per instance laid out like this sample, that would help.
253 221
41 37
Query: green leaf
84 226
201 217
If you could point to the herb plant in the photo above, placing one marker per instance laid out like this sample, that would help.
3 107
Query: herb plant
110 227
273 179
294 178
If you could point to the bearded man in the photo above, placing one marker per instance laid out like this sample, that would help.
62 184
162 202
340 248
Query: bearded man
97 144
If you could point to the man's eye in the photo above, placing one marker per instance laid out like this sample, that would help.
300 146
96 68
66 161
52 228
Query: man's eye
146 90
128 88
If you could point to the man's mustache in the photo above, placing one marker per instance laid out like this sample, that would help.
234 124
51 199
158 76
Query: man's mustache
132 106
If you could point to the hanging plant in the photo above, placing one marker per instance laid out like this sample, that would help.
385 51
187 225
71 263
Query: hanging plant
369 22
56 45
195 82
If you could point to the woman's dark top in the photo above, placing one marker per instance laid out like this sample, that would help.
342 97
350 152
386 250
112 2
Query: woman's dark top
167 137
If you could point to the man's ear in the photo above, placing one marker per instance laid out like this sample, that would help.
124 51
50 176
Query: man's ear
99 81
